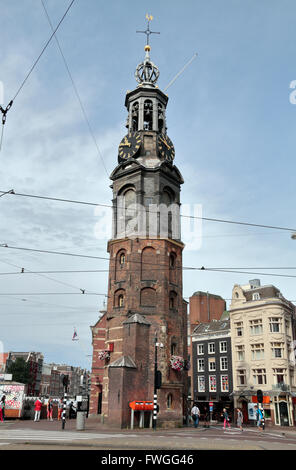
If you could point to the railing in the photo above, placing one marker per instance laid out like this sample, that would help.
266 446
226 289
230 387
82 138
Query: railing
281 386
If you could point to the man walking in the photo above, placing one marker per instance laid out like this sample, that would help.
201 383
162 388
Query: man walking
38 406
195 413
259 418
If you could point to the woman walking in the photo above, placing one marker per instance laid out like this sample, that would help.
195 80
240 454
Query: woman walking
240 419
49 409
226 418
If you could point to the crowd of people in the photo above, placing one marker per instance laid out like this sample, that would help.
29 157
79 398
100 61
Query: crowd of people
197 416
72 407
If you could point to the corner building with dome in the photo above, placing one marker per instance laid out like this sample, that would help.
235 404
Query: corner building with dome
145 309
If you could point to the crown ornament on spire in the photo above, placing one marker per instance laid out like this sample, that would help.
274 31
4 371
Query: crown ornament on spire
147 73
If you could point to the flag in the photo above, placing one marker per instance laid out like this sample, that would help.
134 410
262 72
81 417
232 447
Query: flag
75 336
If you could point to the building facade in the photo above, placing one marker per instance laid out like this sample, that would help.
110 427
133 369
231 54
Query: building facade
35 361
212 366
145 299
263 334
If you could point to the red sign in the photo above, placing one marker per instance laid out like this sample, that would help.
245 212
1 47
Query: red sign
211 403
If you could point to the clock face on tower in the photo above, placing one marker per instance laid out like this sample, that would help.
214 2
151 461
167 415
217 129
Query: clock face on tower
129 146
165 147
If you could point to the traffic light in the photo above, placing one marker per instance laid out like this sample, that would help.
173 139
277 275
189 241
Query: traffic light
259 396
65 380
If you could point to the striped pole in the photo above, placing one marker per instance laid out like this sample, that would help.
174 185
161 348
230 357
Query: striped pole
155 389
64 408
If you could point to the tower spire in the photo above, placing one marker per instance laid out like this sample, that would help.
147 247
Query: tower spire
146 72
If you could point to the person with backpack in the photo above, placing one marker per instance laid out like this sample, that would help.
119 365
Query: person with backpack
195 413
259 418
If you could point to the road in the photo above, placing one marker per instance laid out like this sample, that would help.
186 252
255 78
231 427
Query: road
31 436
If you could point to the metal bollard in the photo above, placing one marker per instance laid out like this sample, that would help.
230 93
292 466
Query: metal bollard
80 421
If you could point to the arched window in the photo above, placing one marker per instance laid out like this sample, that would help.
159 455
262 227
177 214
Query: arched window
169 400
135 116
148 297
172 260
160 118
173 300
122 259
121 300
148 264
148 115
173 348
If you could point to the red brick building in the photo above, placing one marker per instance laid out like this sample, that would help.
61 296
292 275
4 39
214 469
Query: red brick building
145 299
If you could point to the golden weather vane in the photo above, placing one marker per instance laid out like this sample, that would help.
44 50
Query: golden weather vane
148 32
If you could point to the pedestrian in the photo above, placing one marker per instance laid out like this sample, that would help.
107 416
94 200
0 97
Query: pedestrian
60 408
49 409
226 418
195 413
259 418
2 406
206 417
38 406
240 419
1 413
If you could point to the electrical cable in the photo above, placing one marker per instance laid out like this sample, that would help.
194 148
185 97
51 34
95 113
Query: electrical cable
75 90
152 212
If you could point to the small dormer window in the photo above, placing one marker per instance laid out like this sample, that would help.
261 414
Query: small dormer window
256 296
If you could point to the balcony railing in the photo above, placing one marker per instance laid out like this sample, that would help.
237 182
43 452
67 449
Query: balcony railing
281 386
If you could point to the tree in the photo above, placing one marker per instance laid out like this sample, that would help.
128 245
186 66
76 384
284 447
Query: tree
20 370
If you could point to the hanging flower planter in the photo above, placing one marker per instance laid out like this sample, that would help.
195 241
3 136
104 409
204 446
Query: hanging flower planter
177 363
104 355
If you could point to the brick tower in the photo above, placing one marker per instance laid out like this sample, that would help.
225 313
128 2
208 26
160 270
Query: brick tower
145 273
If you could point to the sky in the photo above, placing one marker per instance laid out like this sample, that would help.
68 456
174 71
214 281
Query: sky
229 116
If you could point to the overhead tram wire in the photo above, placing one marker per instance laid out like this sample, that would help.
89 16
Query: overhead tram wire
273 227
41 275
4 111
189 268
75 90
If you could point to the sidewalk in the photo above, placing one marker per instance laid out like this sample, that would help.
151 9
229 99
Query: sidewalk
93 424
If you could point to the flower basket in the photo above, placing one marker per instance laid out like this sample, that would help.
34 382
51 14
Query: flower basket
103 355
177 363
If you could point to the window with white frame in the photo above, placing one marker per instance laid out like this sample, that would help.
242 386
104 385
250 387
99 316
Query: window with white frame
275 324
200 349
256 296
223 346
256 327
257 351
211 348
212 364
240 352
212 383
277 350
224 383
201 384
259 376
201 365
223 363
279 376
